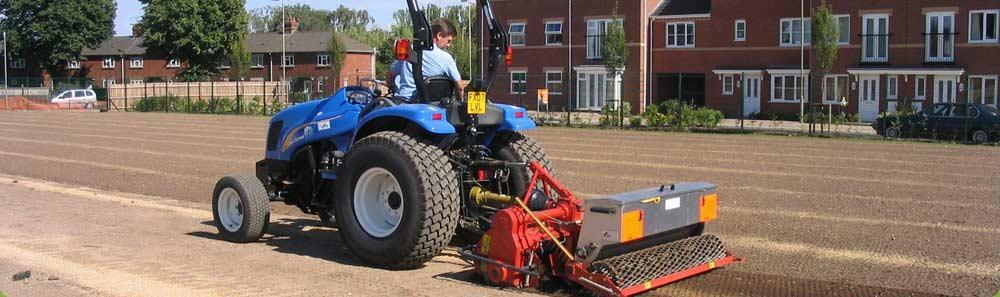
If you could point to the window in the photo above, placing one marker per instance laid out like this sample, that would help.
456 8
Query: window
680 34
320 84
875 38
843 29
920 88
596 30
892 87
108 63
741 30
983 90
73 65
135 81
322 60
834 88
791 31
727 84
289 61
554 82
225 63
257 61
518 82
135 62
517 34
17 63
940 37
174 63
553 33
983 26
595 88
108 82
787 88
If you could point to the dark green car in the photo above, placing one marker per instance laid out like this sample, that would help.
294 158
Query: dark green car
977 123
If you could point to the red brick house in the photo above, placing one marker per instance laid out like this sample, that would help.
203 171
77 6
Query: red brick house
307 66
557 47
733 55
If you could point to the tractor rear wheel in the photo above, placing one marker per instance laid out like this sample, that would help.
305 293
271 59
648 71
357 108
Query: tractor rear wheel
396 201
521 148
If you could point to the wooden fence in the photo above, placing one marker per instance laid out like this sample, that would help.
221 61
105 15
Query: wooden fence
125 96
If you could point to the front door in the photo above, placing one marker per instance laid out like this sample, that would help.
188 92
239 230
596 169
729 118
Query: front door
868 98
751 95
945 89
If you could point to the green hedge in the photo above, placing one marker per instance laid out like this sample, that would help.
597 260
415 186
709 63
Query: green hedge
677 114
253 106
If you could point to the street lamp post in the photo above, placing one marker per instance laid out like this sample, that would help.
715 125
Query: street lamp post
6 106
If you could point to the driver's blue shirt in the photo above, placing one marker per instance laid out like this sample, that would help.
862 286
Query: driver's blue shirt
436 62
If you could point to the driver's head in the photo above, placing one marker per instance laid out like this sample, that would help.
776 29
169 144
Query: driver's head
444 33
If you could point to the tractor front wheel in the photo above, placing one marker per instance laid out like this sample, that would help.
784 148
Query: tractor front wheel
239 205
396 201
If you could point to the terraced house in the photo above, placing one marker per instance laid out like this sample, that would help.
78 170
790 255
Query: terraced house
737 57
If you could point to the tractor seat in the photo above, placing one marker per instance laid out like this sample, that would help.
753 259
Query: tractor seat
439 89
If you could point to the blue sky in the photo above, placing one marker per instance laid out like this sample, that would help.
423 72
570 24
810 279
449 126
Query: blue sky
129 11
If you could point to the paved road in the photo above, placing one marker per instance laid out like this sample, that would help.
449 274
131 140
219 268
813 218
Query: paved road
816 217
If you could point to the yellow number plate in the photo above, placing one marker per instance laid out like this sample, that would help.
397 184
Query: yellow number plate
477 102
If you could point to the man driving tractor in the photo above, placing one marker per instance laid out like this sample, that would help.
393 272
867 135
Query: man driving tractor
436 63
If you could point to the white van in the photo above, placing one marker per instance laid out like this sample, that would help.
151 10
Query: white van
86 98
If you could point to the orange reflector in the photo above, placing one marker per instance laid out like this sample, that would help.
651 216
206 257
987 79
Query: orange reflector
402 49
632 225
709 207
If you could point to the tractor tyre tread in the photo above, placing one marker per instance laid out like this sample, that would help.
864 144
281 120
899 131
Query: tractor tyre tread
256 210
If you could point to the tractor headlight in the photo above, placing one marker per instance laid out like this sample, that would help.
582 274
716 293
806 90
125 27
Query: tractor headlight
296 135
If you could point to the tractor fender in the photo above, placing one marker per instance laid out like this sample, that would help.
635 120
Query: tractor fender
428 118
511 122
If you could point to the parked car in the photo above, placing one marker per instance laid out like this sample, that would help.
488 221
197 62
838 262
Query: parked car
84 98
979 122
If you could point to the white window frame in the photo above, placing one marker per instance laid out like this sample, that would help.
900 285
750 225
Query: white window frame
837 19
871 31
17 63
891 87
135 63
288 61
689 31
552 33
920 87
322 60
174 63
728 84
996 26
225 63
984 78
521 33
321 84
75 64
740 34
108 82
792 34
108 63
513 91
136 81
549 82
796 88
257 61
596 28
943 47
836 91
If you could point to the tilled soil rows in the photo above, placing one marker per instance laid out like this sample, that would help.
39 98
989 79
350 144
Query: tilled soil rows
812 217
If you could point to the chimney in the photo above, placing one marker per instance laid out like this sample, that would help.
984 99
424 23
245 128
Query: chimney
291 26
137 31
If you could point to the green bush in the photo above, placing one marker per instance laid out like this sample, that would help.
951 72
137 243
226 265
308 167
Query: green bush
610 116
679 114
635 122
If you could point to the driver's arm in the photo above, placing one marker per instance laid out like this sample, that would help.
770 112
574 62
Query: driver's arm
457 77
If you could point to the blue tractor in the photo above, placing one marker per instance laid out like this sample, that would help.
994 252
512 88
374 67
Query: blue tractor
394 177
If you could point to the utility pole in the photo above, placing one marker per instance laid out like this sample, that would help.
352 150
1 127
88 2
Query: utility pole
5 77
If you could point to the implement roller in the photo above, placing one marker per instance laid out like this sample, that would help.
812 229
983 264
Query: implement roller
619 245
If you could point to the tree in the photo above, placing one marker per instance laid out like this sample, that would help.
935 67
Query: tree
268 19
462 16
338 53
201 32
614 52
240 59
51 33
825 36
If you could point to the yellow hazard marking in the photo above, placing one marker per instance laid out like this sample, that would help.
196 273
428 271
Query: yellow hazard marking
652 200
484 248
711 265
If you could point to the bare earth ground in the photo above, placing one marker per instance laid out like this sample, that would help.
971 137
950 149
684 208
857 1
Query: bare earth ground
118 204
